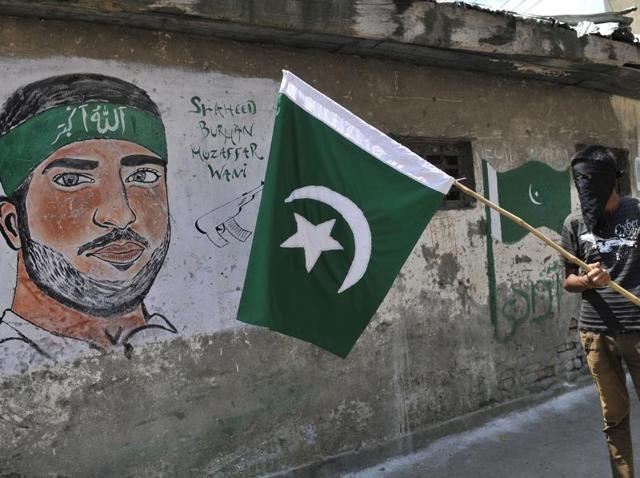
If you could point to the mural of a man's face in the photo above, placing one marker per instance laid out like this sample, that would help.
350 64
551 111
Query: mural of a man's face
94 226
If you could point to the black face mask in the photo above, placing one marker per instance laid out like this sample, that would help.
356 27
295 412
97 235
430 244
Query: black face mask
595 181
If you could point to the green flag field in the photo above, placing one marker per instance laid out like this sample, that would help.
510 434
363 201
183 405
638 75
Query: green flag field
342 207
535 192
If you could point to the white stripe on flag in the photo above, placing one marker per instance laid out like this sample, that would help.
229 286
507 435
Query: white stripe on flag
496 226
373 141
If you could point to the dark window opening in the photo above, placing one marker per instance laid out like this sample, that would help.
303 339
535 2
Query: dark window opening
451 156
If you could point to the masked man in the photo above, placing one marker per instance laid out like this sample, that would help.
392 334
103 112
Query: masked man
83 167
605 235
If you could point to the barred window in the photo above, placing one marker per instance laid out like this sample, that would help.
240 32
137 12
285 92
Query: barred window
454 157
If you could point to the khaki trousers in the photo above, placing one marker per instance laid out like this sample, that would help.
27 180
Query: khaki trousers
604 355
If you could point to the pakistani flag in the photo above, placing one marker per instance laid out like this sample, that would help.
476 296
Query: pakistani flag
535 192
342 207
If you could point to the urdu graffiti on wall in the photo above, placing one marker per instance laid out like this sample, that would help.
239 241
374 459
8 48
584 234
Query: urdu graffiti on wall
540 195
529 301
83 163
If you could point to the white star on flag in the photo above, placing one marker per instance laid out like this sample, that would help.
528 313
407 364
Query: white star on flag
326 163
314 239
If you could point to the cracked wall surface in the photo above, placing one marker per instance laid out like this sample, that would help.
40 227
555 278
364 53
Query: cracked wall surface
222 399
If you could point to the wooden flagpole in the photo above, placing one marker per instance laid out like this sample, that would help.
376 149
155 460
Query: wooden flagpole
566 254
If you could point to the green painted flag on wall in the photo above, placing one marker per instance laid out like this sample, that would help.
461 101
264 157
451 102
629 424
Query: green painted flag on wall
342 207
536 192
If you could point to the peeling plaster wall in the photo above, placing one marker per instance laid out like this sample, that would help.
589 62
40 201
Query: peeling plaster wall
226 400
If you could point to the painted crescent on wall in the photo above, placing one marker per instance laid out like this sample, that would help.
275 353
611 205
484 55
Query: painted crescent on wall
533 195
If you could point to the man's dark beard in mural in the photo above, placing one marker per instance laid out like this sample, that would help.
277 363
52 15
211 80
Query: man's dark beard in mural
55 276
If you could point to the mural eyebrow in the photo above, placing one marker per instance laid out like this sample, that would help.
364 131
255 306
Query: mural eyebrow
72 163
140 159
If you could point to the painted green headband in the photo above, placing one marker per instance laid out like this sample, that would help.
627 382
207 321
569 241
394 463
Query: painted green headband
23 148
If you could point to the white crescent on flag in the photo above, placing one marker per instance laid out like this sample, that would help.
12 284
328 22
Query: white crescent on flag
356 220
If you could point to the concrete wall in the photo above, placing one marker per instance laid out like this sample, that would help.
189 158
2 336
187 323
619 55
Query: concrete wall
221 399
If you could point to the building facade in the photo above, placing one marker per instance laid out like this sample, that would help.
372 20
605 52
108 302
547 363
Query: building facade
472 323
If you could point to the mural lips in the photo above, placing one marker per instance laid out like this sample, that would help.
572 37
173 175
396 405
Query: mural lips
83 173
121 248
120 255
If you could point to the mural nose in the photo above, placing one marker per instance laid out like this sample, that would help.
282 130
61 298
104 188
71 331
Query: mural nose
115 213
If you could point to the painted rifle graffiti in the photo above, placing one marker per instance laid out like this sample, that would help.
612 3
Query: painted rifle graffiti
223 220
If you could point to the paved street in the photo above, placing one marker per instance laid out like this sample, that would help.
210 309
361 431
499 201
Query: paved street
559 438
